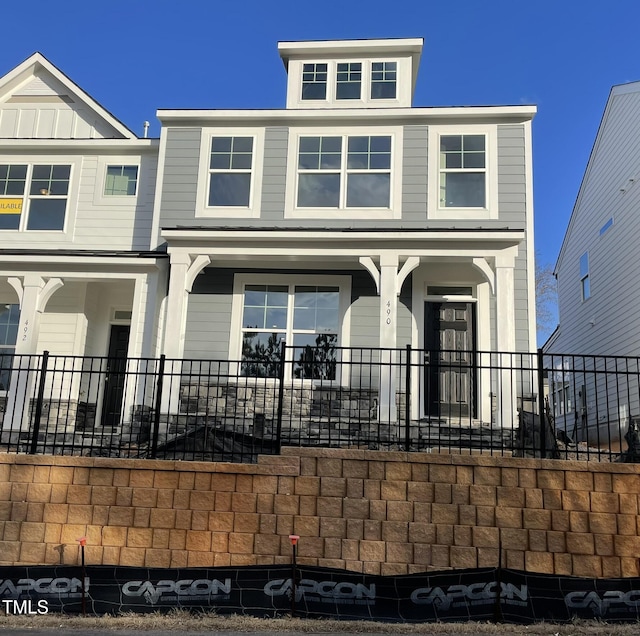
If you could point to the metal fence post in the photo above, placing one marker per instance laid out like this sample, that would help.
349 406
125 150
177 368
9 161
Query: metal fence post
158 406
407 402
39 401
541 411
283 351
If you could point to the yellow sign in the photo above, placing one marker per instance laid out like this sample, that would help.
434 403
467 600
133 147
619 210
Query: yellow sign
10 206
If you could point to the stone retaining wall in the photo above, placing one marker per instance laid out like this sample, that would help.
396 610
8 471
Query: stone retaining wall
368 511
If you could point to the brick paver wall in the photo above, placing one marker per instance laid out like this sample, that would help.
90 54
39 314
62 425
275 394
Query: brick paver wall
368 511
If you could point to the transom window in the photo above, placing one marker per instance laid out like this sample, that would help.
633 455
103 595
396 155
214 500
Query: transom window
383 80
585 284
314 81
344 172
349 80
230 168
121 181
9 321
33 197
305 316
462 171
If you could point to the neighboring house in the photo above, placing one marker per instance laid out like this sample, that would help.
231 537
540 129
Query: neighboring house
77 274
351 219
599 284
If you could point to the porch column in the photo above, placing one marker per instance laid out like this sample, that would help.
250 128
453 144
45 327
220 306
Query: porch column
182 274
33 293
387 411
506 339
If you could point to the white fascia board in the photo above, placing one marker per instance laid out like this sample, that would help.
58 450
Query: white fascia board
82 144
344 47
293 117
293 236
53 261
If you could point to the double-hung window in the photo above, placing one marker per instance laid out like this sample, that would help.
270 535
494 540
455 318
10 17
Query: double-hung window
33 197
463 171
305 316
314 81
9 320
230 166
344 172
349 80
585 284
383 80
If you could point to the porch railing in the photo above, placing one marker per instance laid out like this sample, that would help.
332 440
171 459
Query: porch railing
397 399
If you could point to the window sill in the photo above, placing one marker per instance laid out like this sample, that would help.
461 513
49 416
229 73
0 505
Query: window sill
346 213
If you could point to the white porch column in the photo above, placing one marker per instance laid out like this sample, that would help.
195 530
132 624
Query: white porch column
33 293
387 411
182 274
506 338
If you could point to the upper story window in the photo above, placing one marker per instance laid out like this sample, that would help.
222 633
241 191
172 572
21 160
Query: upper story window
348 80
344 172
383 80
463 171
230 172
121 181
314 81
33 197
585 285
230 168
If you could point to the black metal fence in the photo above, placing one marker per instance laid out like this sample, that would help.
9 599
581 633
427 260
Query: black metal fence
406 399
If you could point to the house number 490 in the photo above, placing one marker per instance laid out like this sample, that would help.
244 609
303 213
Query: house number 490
388 312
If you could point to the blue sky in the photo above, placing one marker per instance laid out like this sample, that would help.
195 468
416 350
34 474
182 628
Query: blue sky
137 56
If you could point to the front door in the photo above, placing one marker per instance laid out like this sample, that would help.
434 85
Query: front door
116 375
449 375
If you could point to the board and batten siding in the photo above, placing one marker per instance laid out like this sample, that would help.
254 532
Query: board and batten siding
608 323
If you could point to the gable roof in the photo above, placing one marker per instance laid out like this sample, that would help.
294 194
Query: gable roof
36 79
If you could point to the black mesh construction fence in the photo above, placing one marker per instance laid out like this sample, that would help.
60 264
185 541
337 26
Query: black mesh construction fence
489 594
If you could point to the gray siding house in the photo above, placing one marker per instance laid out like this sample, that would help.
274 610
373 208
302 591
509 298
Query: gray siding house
351 220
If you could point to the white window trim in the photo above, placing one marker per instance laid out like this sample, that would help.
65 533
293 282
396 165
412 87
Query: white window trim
237 307
238 212
403 84
394 211
99 197
490 211
584 277
53 236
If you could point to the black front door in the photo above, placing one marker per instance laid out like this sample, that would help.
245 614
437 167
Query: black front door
449 375
115 376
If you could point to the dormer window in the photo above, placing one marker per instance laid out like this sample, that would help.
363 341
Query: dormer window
383 80
314 81
349 80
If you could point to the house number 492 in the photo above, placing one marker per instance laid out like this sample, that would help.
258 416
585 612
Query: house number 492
25 330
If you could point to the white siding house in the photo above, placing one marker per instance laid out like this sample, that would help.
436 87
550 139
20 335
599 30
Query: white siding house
76 206
598 276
